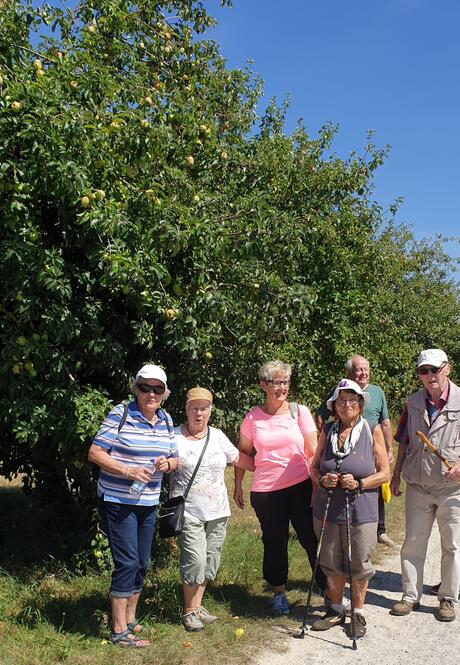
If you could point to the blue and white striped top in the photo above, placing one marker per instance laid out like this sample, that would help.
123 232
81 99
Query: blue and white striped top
137 443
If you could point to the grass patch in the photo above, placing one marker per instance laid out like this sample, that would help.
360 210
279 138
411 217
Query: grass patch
49 613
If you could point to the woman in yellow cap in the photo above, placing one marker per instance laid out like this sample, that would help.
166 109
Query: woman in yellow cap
206 508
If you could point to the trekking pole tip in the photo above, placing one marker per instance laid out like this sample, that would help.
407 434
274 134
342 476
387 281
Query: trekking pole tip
301 635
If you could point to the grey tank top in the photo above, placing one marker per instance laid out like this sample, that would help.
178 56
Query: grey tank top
361 463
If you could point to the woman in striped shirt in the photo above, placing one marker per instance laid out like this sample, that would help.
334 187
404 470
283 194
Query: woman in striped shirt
136 442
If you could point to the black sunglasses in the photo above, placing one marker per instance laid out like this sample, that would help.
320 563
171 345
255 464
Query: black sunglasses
426 370
146 388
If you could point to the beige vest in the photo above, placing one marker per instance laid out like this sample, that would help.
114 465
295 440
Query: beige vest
421 467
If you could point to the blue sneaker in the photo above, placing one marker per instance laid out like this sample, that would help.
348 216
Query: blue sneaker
280 605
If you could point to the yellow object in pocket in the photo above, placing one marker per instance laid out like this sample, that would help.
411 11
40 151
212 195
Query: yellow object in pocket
386 492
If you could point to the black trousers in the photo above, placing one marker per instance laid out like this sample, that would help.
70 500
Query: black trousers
275 510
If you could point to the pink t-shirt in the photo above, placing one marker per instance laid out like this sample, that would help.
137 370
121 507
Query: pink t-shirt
278 440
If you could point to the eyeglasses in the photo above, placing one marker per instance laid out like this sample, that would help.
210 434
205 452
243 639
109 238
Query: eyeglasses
423 371
348 400
147 388
278 384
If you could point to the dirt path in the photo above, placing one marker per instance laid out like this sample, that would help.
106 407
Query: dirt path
412 640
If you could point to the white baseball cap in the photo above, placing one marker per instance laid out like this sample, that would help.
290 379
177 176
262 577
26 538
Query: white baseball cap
347 384
434 357
152 372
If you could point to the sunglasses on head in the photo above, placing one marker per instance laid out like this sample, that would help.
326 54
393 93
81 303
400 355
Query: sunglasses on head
147 388
426 370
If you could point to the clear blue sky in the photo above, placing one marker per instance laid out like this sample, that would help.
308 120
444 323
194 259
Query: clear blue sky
388 65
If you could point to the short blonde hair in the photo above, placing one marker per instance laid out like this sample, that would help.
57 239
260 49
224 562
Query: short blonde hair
272 368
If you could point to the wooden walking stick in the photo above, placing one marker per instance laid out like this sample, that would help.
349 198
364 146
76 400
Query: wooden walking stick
426 442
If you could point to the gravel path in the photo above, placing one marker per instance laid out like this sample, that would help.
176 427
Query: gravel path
412 640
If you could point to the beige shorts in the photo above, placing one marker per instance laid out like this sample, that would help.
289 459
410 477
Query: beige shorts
200 549
333 557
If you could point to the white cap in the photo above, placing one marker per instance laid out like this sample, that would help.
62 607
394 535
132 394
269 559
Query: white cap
347 384
434 357
152 372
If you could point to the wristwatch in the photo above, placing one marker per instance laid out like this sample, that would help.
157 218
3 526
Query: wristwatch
360 486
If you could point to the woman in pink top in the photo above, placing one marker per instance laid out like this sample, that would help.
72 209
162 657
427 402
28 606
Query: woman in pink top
284 439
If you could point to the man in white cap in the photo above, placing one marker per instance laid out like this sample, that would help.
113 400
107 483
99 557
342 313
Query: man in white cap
433 491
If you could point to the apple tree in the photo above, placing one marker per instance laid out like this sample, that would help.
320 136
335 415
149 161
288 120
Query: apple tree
149 214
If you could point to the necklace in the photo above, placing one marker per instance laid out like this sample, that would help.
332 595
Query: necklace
198 438
342 437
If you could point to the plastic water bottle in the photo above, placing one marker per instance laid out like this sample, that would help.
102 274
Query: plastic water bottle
138 486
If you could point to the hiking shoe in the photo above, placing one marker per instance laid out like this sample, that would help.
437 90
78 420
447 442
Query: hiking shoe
204 616
403 608
329 620
346 602
385 540
280 605
360 626
192 622
446 611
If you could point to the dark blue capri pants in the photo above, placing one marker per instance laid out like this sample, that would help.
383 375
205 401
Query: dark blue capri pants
130 532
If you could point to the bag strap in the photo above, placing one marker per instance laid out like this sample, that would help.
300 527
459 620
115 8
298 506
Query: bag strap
294 410
190 482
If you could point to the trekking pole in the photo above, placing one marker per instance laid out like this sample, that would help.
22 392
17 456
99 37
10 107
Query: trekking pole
427 443
347 517
318 549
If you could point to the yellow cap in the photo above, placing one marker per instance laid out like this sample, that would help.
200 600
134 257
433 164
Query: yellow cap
198 393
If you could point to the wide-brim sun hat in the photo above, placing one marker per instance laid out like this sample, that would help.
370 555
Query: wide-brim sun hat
433 357
347 384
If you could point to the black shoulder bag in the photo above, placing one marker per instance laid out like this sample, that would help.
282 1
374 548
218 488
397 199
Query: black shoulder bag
171 513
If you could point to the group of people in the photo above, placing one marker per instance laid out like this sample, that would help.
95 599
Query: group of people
326 487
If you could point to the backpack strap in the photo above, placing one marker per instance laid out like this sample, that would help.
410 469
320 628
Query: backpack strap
168 421
123 418
369 429
294 411
95 469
